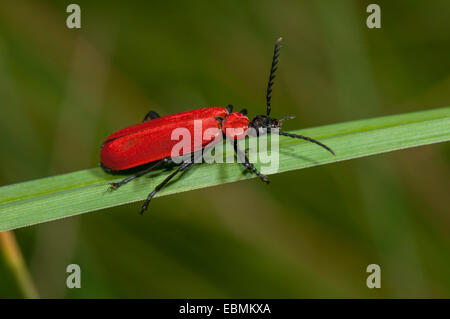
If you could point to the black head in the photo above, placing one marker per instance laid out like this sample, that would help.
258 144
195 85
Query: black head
263 121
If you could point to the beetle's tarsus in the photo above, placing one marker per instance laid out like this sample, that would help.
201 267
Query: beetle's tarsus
147 202
143 209
114 185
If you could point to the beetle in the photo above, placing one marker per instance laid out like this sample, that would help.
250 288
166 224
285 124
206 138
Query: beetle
149 143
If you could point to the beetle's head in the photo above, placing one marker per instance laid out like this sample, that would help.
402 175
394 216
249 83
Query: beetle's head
264 124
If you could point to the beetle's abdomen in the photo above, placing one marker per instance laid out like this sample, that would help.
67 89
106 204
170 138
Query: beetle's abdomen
151 141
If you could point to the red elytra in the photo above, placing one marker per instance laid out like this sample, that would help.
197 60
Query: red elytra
151 142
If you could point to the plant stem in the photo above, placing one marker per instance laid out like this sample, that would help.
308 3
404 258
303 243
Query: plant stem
15 261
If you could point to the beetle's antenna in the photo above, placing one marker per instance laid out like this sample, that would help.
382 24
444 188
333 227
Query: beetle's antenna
276 53
305 138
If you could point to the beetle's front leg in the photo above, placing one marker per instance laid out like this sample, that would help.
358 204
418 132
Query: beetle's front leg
249 166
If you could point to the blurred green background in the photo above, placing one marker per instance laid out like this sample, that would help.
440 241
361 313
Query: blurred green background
312 232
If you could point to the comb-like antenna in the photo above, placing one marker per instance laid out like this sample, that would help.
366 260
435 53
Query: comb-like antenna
276 53
306 138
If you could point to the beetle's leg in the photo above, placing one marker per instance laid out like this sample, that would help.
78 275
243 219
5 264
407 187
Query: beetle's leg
140 173
244 112
183 167
229 108
249 166
306 138
150 116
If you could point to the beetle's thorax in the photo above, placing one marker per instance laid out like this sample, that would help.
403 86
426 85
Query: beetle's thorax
235 125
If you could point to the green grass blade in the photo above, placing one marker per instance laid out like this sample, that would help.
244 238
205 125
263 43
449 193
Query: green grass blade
79 192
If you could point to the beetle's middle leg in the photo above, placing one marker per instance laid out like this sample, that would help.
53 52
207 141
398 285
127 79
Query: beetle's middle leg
150 116
140 173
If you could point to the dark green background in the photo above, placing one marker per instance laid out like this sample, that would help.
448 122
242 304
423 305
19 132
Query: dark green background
310 233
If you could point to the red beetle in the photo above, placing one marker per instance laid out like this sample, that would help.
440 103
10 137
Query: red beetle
151 142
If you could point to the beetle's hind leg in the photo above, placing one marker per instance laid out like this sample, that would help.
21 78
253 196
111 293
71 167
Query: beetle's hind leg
150 116
194 157
183 167
140 173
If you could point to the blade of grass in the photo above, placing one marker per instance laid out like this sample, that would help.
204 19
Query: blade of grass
79 192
